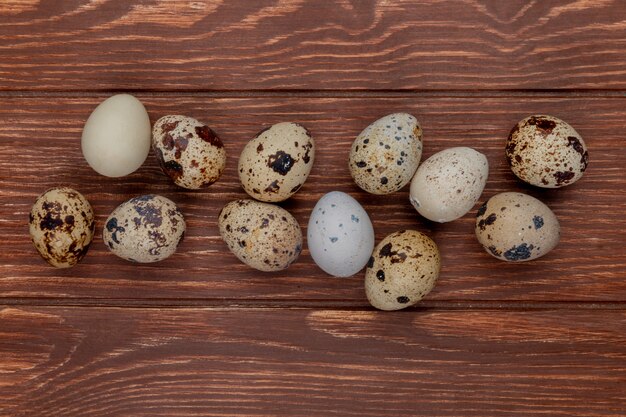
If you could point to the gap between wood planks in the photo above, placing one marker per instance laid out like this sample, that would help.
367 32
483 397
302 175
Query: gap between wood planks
267 304
481 93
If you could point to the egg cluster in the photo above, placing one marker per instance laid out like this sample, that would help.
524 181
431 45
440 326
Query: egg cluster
384 158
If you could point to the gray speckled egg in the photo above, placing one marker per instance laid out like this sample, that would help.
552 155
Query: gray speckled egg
263 236
189 152
144 229
61 224
449 183
340 235
276 163
516 227
385 155
402 270
546 152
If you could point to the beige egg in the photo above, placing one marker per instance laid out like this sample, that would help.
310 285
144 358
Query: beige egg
546 152
263 236
276 163
402 270
516 227
116 136
144 229
189 152
61 224
385 155
449 183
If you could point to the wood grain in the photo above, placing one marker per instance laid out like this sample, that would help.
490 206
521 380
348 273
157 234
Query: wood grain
40 148
222 362
201 333
312 45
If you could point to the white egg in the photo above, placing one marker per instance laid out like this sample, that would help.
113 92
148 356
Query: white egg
449 183
340 235
117 136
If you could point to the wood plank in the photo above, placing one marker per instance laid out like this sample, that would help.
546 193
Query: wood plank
163 362
307 44
40 148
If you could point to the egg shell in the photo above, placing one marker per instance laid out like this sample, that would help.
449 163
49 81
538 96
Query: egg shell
449 183
189 152
546 152
385 155
340 235
276 163
403 268
61 224
263 236
516 227
144 229
116 137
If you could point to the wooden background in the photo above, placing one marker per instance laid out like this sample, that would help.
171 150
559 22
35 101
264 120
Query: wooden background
202 334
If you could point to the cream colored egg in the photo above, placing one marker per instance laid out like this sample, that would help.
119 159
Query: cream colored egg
516 227
276 163
546 152
144 229
116 137
449 183
61 224
189 152
402 270
263 236
385 155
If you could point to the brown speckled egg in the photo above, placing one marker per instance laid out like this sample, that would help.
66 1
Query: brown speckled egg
189 152
61 226
144 229
276 163
516 227
546 152
385 155
263 236
449 183
402 270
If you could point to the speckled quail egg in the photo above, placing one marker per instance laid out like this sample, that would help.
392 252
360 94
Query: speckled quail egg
385 155
61 224
276 163
546 152
144 229
449 183
263 236
516 227
340 235
189 152
402 270
116 137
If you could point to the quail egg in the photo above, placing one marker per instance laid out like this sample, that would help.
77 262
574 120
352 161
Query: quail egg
546 152
189 152
144 229
385 155
449 183
263 236
61 224
402 270
276 163
516 227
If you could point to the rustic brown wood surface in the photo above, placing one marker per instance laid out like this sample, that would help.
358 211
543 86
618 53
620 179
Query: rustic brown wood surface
146 362
311 44
201 333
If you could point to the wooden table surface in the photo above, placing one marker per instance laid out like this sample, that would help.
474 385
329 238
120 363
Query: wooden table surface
201 333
